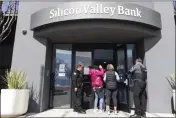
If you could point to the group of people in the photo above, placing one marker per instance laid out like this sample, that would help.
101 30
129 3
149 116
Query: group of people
110 78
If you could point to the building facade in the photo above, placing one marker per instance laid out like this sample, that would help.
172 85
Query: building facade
52 36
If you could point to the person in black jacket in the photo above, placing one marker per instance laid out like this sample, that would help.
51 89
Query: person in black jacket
77 84
111 77
139 73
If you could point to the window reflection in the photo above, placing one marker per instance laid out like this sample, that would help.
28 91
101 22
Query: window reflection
84 57
103 54
121 72
130 63
5 5
121 63
123 96
62 75
130 49
130 59
63 67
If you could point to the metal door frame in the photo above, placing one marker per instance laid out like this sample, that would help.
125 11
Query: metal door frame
75 47
124 47
51 93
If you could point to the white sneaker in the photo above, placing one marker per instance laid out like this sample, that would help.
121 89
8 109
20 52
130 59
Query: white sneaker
109 112
95 110
115 112
100 111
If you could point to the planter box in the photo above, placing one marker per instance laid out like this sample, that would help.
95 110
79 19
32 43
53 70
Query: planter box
174 99
14 102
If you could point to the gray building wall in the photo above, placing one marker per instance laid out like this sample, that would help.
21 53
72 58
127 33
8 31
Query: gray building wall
160 61
30 55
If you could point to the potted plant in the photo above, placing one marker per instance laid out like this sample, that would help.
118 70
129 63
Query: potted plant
15 98
171 79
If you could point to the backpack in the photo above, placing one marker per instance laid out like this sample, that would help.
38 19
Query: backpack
98 82
144 73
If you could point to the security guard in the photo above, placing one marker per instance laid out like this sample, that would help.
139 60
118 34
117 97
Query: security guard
77 84
138 72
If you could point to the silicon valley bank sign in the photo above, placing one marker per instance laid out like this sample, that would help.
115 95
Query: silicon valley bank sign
95 9
68 11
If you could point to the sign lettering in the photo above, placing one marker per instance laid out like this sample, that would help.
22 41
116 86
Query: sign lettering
95 9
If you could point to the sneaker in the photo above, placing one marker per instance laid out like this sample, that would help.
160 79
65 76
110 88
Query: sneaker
115 112
135 116
95 110
100 111
109 112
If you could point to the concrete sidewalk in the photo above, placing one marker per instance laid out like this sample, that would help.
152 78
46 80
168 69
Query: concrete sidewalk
89 113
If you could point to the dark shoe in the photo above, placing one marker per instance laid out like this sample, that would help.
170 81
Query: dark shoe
143 115
135 116
82 112
75 110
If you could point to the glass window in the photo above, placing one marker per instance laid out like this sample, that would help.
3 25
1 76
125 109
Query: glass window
130 63
121 72
5 5
62 63
130 49
130 59
123 96
103 54
84 57
121 62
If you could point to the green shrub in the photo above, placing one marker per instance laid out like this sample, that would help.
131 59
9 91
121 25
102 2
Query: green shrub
171 79
15 79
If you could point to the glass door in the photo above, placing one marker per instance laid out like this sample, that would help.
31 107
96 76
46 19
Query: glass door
123 102
103 57
61 76
84 55
131 54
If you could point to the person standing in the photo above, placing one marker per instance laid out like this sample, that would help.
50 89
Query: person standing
96 74
77 84
111 77
139 74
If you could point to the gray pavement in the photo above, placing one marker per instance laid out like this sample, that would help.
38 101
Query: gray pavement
90 113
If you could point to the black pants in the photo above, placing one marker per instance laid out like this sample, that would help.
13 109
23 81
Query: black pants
77 100
111 94
140 97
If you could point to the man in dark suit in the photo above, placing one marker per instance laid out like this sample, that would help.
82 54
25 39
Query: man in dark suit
77 85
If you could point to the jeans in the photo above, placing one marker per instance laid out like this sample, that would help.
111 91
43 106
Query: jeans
99 95
140 97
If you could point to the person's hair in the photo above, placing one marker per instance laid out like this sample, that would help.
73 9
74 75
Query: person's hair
139 60
95 67
79 64
110 67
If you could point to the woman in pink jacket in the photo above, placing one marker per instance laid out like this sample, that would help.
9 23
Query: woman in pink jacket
96 74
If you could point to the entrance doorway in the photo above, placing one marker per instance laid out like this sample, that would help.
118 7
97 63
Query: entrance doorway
116 56
67 55
103 54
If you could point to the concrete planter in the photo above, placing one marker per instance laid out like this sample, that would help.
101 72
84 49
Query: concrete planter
14 102
174 99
